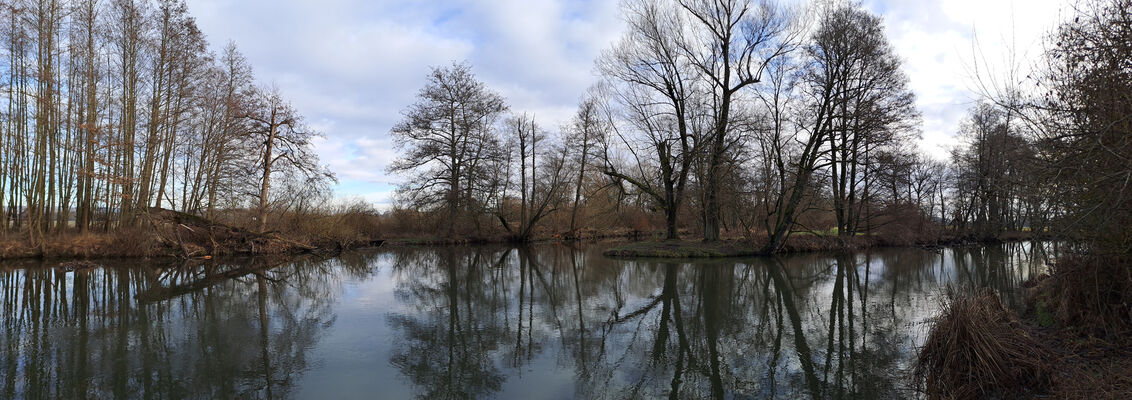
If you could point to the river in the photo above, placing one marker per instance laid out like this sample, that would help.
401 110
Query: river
547 321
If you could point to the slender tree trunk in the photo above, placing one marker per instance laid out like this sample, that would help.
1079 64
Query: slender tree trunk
578 185
265 184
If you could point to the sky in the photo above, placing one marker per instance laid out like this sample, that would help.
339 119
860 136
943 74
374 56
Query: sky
352 66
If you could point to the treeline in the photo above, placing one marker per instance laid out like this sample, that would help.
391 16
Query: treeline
742 118
109 107
1051 151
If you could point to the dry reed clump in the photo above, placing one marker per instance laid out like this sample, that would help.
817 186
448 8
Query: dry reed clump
1091 294
978 349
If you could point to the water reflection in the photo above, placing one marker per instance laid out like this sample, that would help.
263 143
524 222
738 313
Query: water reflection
808 326
216 330
474 322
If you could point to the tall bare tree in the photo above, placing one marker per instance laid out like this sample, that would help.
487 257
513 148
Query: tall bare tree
585 131
104 101
653 84
841 61
729 44
282 143
874 107
445 135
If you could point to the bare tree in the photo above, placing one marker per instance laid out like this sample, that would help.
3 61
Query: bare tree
115 105
585 131
852 86
876 109
729 46
281 142
1084 127
652 82
445 135
541 190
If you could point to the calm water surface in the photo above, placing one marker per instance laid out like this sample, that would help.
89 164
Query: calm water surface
548 321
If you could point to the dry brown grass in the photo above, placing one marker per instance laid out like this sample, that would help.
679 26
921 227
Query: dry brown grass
978 349
1089 369
167 233
1089 300
123 243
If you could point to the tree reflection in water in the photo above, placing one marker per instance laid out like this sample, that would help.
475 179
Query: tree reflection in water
239 329
474 322
806 326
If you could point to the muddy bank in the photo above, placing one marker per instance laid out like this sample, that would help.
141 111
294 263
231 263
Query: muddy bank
165 233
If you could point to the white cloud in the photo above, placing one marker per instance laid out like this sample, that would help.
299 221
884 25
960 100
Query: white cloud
936 41
351 66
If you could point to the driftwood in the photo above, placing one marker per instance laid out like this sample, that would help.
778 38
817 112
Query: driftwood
191 236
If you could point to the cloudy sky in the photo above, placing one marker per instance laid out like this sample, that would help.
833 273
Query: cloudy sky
351 66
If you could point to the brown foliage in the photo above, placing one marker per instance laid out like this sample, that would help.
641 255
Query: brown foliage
1091 294
904 224
132 242
122 243
342 226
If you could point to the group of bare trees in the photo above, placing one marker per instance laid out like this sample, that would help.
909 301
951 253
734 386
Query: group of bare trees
1052 151
751 117
738 109
108 107
995 181
469 159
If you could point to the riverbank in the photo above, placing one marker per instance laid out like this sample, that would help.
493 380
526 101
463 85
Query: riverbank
582 236
170 234
1071 340
683 249
143 245
807 243
166 233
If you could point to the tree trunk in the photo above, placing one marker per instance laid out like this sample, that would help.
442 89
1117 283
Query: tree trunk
266 183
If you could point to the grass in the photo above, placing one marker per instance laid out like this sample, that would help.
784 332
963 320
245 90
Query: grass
1044 316
122 243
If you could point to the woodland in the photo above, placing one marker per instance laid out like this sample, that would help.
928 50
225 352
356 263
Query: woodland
725 127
